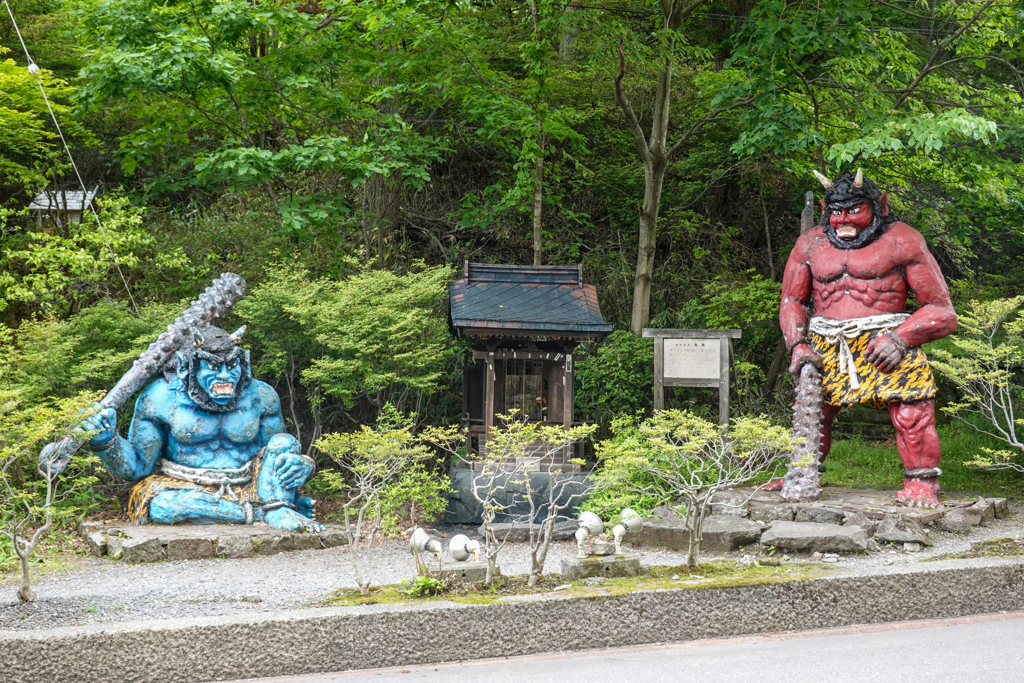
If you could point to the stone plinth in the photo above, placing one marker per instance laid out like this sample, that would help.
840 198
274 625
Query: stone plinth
722 533
814 536
155 542
465 572
610 566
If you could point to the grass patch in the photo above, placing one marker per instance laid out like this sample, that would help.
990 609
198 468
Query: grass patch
858 463
993 547
719 574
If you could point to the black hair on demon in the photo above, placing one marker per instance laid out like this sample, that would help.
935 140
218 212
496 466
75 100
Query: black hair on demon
850 190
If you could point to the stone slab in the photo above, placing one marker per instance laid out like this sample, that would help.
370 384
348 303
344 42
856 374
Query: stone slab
722 533
822 514
988 509
901 529
519 532
771 513
300 642
611 566
464 572
815 537
196 542
733 503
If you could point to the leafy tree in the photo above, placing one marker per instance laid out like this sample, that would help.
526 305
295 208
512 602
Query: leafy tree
679 456
377 466
987 352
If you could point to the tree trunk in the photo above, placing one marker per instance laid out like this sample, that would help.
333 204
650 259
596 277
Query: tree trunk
654 178
383 197
25 593
538 204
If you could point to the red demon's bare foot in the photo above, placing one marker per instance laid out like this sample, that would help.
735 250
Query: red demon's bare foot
773 485
919 493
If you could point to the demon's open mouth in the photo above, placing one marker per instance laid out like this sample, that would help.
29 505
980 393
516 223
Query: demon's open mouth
846 231
221 389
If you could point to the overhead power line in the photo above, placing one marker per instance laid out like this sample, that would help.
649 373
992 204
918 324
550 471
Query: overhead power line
33 69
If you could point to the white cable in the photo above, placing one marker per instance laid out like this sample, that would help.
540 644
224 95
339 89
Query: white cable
34 70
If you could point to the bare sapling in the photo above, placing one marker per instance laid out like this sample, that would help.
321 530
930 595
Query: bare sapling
33 500
676 457
369 462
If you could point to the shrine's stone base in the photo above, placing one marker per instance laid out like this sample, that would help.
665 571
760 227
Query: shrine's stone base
609 566
843 520
156 542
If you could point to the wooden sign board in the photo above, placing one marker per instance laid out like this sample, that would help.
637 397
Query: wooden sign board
692 358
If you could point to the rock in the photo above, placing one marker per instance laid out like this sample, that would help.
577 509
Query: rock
817 557
863 521
594 580
464 572
602 548
97 541
268 544
189 548
912 547
771 513
332 538
114 547
86 527
923 516
576 569
664 512
663 533
1002 507
960 519
898 529
815 536
722 533
822 514
234 547
305 541
138 550
988 509
518 533
730 503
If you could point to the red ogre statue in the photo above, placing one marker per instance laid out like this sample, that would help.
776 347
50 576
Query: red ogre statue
843 299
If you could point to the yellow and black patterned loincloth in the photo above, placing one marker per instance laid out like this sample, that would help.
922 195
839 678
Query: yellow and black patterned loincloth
147 489
911 380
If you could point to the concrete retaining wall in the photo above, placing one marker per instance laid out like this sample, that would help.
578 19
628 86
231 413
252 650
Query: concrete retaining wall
335 639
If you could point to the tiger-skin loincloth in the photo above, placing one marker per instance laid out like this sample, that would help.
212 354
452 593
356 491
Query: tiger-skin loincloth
910 380
147 489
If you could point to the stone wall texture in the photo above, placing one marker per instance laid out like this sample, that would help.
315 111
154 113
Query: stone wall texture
342 638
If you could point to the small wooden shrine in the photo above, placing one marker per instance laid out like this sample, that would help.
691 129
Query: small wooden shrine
525 322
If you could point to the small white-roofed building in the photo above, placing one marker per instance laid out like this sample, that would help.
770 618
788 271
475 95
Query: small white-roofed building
61 206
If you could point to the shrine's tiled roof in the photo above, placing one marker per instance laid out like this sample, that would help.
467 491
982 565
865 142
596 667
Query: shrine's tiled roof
526 298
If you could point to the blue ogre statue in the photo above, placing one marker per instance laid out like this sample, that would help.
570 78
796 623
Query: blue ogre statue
208 445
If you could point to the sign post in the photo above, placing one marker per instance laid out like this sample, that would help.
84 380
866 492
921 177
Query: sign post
692 358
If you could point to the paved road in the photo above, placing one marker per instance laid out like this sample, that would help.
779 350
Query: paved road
986 649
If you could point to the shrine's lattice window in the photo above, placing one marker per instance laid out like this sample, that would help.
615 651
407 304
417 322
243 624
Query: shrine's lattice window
526 389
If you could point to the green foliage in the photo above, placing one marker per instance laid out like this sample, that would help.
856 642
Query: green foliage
384 469
31 504
676 457
607 501
982 360
88 351
616 377
59 270
427 586
376 334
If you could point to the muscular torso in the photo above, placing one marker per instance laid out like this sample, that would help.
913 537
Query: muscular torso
191 436
858 282
872 280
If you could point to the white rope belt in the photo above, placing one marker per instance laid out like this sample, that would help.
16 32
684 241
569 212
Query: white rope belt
210 476
839 331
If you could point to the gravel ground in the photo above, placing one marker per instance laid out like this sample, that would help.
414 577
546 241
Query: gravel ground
98 590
